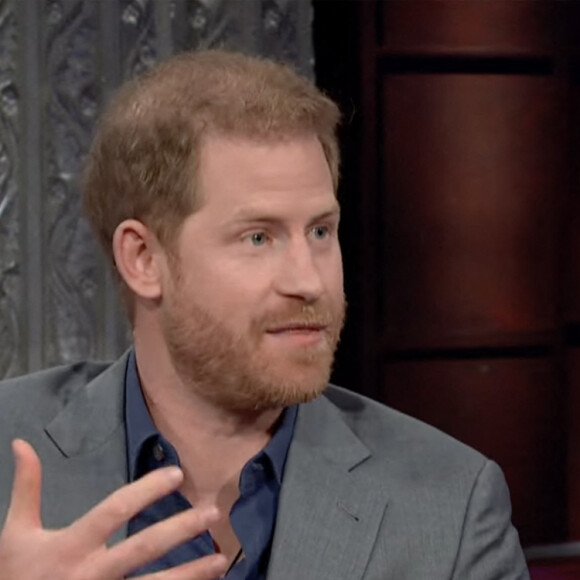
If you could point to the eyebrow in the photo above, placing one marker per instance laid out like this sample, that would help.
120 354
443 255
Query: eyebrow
256 216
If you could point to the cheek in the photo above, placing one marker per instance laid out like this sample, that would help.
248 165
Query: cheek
236 298
249 279
334 275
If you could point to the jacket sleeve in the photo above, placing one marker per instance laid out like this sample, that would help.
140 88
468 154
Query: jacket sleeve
489 548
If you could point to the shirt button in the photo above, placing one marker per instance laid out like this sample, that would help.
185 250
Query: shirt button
158 452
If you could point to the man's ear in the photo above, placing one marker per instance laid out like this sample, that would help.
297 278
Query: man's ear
137 254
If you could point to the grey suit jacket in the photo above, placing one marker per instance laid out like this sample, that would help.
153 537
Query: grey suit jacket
368 493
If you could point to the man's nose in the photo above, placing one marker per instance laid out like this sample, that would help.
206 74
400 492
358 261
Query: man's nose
299 273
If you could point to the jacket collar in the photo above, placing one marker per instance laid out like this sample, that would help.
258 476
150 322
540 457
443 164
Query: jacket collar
93 414
331 507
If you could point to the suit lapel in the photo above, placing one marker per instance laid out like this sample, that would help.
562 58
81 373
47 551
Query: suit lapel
330 509
90 462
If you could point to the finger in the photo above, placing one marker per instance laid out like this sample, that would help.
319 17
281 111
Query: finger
24 509
157 540
206 568
99 523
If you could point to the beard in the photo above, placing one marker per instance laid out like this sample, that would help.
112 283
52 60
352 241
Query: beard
239 372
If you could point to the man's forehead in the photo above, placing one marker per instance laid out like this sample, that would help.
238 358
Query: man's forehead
251 167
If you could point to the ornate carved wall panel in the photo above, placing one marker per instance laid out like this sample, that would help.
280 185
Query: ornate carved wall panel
138 36
72 90
59 62
11 357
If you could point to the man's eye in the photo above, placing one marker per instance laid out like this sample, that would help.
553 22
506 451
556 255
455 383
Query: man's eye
258 238
320 232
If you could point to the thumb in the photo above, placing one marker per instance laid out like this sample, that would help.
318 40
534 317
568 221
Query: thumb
24 509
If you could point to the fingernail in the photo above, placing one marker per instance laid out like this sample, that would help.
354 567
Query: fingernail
14 447
219 564
17 445
174 473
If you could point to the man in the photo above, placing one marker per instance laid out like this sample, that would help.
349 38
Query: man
211 184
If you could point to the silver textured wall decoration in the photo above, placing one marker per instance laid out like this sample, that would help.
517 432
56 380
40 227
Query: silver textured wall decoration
71 266
138 34
11 305
59 62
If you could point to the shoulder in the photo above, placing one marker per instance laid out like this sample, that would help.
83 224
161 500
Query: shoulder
447 502
53 382
405 443
39 396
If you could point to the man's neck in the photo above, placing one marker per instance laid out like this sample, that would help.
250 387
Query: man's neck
213 444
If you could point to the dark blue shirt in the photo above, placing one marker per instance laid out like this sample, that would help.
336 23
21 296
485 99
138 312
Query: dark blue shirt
252 516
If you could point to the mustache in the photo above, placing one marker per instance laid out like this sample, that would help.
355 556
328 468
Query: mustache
303 316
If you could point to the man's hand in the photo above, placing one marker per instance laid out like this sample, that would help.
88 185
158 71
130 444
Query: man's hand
29 552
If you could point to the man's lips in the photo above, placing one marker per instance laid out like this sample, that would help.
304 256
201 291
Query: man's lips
297 327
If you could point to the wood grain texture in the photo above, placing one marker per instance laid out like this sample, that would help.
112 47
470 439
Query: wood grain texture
473 190
477 27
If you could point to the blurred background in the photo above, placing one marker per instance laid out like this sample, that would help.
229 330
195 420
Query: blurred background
460 196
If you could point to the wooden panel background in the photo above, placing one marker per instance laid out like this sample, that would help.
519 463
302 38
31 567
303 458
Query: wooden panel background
462 252
472 187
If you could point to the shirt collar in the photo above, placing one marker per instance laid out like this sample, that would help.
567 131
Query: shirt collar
277 448
140 427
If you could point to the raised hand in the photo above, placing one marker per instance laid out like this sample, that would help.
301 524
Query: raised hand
79 551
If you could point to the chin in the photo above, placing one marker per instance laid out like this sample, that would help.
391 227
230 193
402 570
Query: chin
278 390
300 387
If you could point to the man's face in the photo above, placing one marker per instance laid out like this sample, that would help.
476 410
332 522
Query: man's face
254 303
